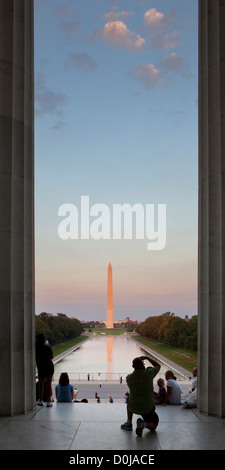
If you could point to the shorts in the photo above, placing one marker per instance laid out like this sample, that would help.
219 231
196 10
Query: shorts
43 373
151 417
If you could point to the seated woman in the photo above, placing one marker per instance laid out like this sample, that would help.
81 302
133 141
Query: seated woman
64 390
173 394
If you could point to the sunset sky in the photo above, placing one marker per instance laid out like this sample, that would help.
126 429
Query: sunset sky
116 92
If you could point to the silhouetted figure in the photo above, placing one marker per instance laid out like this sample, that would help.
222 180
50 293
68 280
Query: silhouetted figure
45 367
140 400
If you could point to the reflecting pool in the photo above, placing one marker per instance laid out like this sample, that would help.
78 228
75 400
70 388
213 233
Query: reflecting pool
104 358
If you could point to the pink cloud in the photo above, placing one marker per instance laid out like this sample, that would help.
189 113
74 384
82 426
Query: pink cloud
171 40
83 61
113 15
157 25
48 102
173 63
148 75
151 76
153 16
116 32
70 28
65 10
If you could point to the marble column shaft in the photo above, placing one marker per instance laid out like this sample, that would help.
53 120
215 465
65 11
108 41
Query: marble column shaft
211 337
17 361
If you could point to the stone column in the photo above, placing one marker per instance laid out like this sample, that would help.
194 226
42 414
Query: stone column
17 361
211 343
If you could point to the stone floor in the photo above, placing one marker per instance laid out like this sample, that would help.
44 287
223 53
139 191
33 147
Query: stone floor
95 426
92 426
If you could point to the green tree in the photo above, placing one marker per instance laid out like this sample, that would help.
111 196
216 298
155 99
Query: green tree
57 328
170 329
176 333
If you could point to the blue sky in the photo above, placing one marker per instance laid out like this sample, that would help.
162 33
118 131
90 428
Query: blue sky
116 92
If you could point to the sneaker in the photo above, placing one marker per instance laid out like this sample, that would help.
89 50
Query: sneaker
39 403
140 427
127 426
185 405
49 404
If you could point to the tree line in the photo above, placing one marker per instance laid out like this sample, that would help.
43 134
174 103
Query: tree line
170 329
57 328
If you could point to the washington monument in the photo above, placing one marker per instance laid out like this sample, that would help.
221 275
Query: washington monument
109 321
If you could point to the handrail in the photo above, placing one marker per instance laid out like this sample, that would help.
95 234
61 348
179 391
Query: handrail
110 376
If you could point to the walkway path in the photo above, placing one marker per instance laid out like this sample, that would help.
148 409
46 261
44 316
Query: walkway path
114 389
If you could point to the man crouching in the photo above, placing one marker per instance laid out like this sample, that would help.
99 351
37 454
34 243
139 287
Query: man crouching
141 400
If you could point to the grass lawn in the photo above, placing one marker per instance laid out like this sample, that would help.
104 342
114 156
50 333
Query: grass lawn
183 357
61 347
108 331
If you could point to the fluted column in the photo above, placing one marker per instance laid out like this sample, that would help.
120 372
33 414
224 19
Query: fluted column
211 344
17 371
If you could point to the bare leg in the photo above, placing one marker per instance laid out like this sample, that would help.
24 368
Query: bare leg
128 424
129 414
49 387
41 388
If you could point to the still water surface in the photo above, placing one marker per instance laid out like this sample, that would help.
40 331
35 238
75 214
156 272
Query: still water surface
109 356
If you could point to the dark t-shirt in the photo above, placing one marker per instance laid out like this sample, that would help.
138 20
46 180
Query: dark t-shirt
44 356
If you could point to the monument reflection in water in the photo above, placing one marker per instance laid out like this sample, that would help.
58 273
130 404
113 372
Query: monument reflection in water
109 356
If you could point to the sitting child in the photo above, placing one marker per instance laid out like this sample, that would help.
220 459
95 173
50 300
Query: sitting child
159 397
